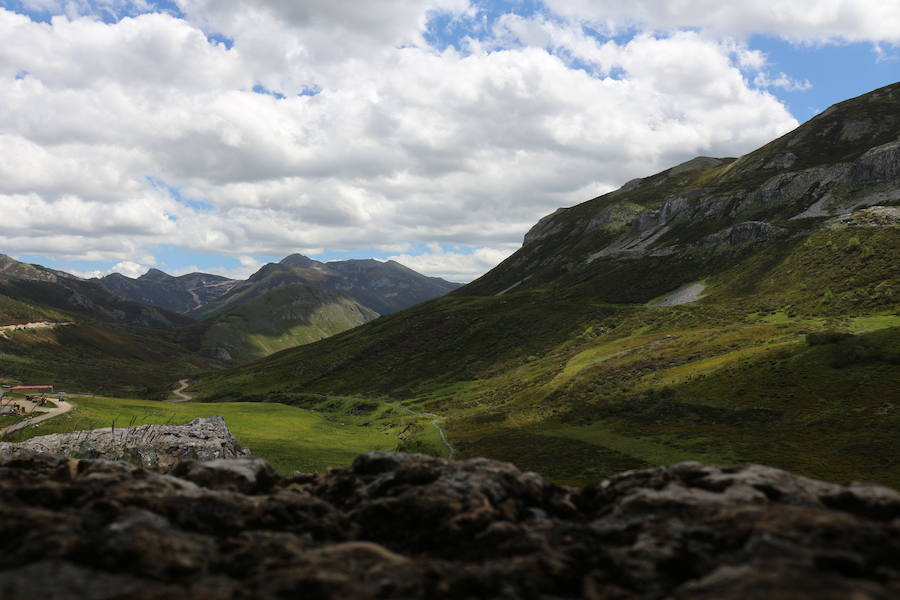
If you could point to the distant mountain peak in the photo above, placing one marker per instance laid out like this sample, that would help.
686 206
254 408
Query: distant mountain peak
298 260
155 275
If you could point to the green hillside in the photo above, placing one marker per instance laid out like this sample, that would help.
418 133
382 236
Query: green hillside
725 310
281 318
576 390
98 357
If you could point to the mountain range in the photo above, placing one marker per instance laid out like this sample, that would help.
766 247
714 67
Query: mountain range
295 301
727 310
137 334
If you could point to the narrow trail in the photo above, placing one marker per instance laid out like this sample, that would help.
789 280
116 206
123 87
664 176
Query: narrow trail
182 396
61 407
35 325
451 451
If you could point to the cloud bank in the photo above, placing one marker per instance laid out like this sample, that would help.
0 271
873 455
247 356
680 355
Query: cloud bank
271 127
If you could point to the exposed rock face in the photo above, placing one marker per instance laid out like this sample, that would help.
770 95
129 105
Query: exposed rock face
410 526
152 446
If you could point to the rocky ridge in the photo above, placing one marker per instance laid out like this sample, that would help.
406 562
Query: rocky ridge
158 447
843 160
411 526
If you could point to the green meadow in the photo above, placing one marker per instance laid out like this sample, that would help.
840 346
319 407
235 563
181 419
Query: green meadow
289 437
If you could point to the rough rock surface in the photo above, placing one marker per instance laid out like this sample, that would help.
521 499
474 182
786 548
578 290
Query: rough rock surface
411 526
152 446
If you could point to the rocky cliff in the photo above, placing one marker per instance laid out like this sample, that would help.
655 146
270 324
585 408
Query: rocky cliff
151 446
410 526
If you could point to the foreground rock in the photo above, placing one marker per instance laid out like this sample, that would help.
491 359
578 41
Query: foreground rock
158 447
411 526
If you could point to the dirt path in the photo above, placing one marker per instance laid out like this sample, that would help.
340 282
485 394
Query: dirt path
36 325
61 407
182 396
451 451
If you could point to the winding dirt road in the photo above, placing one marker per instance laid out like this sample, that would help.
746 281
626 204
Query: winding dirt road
61 407
182 396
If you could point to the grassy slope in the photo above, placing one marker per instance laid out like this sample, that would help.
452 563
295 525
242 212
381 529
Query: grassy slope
291 438
13 311
577 389
95 357
282 318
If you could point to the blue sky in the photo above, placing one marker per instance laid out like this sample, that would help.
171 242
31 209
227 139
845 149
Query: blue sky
194 134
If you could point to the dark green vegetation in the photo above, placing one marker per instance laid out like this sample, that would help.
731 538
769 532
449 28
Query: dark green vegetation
97 357
559 361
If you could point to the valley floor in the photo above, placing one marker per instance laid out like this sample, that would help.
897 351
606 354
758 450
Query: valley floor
291 438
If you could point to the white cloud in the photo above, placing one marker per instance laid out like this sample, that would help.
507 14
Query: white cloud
781 81
453 265
129 269
797 20
404 145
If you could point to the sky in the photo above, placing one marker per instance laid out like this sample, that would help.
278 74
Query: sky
218 135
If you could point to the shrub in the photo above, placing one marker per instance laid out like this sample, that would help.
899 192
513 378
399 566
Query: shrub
853 244
858 351
827 337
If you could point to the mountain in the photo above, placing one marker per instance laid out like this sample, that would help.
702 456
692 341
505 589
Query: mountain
664 230
179 294
296 301
383 287
386 287
58 329
34 284
724 310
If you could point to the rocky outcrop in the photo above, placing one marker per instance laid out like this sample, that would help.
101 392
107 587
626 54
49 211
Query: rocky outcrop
742 233
410 526
151 446
876 216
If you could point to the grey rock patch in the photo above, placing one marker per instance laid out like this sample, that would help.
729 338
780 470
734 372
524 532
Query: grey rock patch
685 295
875 216
151 446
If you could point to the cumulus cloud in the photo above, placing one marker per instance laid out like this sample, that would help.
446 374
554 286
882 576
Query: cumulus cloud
798 20
121 134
